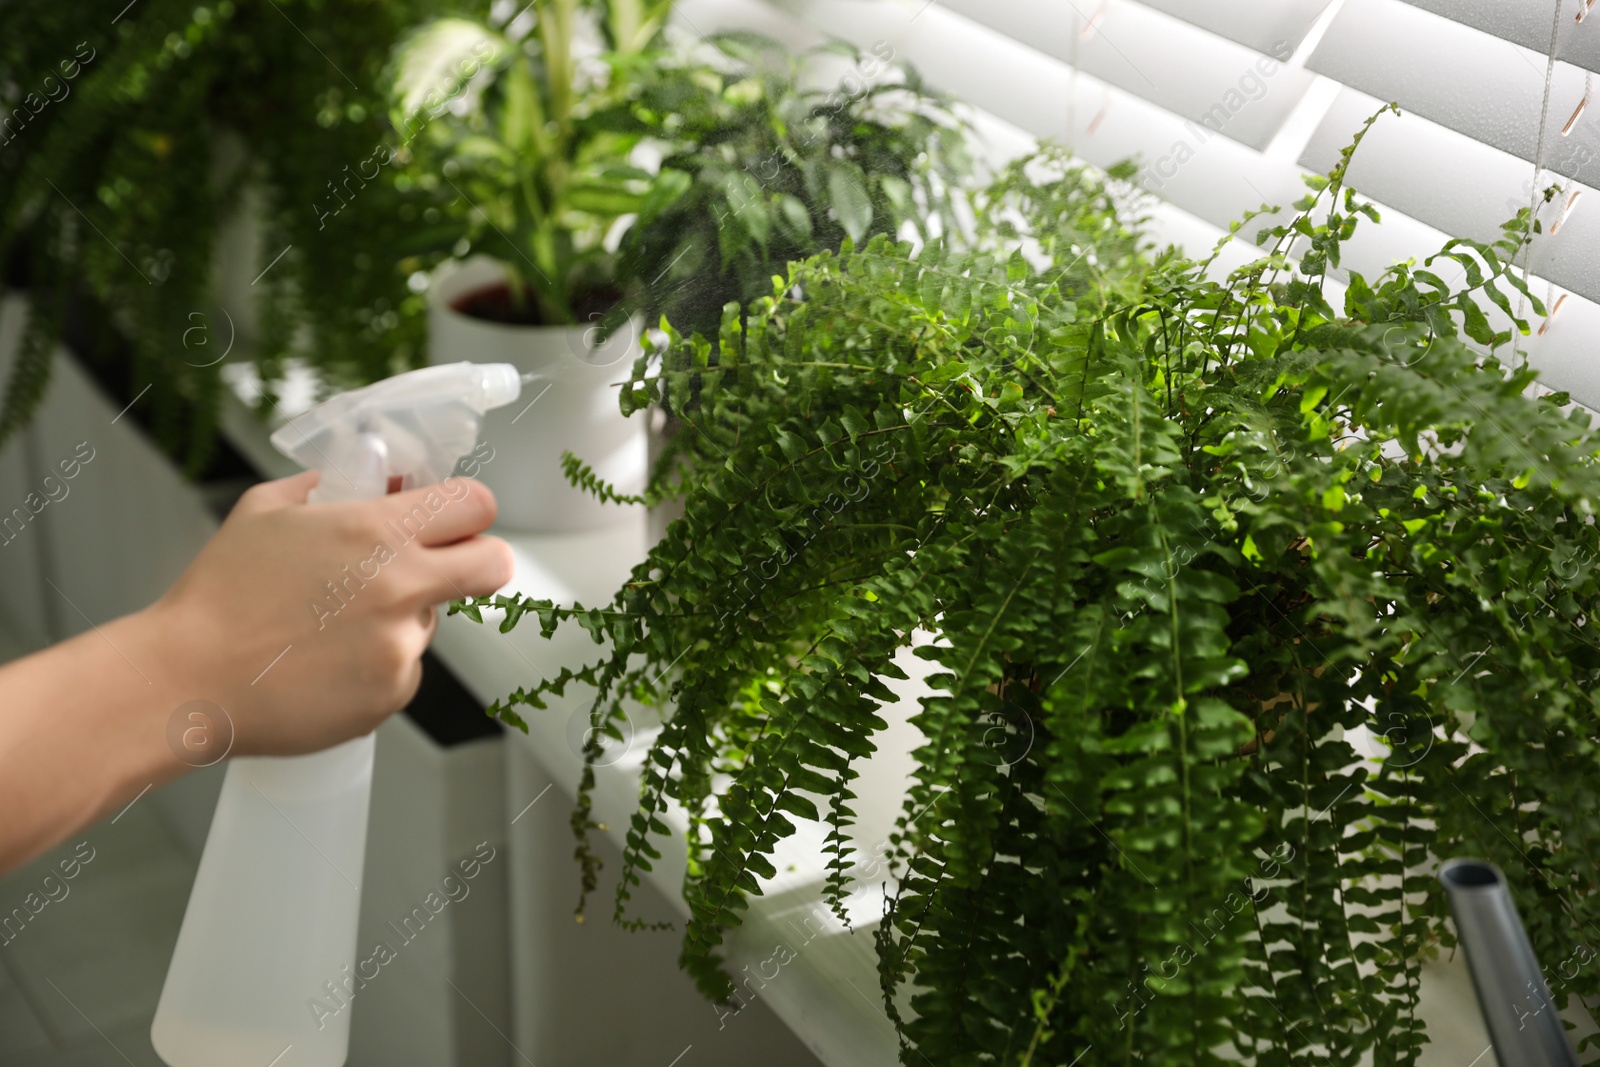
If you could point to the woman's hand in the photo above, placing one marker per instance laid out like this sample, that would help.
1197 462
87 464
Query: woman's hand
306 623
303 623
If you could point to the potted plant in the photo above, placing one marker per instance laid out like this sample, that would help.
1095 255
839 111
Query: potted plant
1185 545
751 170
775 167
780 168
536 162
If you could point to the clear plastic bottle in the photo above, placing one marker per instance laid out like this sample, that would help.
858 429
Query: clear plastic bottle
261 973
272 917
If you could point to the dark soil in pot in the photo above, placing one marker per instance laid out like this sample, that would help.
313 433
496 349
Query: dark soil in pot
497 303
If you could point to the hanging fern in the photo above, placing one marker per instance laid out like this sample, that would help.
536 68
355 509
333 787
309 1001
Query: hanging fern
1181 544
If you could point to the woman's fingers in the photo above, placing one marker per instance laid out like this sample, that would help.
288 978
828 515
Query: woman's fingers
437 527
440 514
279 493
480 566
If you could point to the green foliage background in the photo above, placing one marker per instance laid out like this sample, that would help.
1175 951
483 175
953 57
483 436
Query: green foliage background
1177 538
536 163
120 187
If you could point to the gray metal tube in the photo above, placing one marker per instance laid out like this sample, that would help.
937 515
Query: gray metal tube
1523 1018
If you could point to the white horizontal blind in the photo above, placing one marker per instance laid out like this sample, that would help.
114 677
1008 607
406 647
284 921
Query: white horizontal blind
1131 46
1227 103
1468 165
1481 85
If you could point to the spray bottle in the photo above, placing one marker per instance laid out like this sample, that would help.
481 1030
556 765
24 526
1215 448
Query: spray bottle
270 930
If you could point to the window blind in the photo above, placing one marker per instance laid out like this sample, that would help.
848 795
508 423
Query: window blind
1228 103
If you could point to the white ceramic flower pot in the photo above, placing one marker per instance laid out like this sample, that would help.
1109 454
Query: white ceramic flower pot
574 408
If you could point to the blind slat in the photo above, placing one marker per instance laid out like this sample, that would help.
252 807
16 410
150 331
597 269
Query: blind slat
1252 23
1245 92
1565 354
1527 23
1487 88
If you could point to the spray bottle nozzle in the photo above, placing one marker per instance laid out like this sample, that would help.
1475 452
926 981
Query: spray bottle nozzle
414 427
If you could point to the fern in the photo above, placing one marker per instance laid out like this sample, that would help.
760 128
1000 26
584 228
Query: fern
581 475
1179 541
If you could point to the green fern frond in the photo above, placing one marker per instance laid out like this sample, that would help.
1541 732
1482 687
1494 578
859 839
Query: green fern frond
583 477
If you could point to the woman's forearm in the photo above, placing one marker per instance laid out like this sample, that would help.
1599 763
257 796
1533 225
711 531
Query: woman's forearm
83 731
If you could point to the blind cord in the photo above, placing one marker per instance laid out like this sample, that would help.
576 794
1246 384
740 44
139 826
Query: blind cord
1538 159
